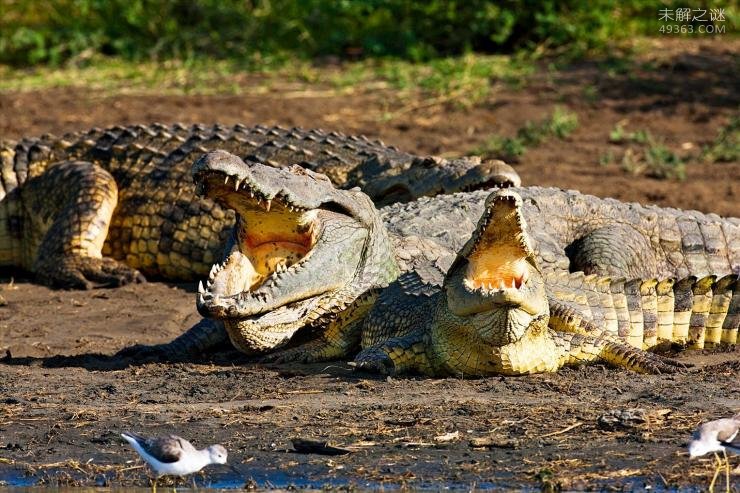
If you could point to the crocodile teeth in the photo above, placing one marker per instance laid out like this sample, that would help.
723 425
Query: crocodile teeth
236 185
201 289
269 204
519 281
226 180
201 299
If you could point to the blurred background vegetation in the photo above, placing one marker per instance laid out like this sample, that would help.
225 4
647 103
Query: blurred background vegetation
418 57
55 32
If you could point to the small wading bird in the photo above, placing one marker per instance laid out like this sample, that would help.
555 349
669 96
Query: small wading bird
174 456
721 435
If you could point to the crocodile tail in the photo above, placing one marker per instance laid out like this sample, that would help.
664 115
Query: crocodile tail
697 313
694 312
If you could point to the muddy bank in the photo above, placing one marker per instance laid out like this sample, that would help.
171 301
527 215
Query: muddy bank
60 417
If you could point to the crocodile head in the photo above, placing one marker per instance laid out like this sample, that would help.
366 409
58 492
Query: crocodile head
299 251
494 287
433 176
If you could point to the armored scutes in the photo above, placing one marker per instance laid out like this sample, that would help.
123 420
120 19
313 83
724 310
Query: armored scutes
569 231
108 205
497 313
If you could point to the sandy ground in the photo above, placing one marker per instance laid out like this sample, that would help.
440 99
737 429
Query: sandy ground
64 398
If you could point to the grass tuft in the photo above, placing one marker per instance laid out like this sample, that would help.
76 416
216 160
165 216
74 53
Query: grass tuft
726 147
644 155
559 125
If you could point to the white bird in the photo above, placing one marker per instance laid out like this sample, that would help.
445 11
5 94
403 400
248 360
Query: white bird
173 455
721 435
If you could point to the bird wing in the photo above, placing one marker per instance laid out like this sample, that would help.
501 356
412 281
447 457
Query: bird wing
731 440
167 449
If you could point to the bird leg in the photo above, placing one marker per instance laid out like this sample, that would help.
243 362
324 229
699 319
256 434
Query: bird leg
716 472
727 470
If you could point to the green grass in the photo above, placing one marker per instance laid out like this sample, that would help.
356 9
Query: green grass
558 125
461 80
619 135
644 154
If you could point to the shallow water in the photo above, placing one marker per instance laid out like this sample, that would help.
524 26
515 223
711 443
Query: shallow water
17 482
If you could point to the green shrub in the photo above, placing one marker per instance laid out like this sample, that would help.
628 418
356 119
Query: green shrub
53 31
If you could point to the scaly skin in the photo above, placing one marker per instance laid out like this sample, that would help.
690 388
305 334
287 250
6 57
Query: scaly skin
425 234
695 313
108 205
497 313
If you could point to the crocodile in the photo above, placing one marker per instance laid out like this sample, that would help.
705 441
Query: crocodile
497 313
330 284
110 206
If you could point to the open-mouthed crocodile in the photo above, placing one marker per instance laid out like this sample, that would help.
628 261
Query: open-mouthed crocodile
108 205
496 313
329 290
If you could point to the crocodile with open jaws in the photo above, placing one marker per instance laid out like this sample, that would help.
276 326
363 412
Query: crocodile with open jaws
340 252
497 313
108 205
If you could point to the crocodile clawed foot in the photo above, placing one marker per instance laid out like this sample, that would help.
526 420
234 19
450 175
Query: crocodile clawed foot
109 272
374 360
680 365
86 273
655 364
311 352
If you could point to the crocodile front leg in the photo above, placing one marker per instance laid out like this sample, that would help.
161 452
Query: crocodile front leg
395 356
340 338
69 208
